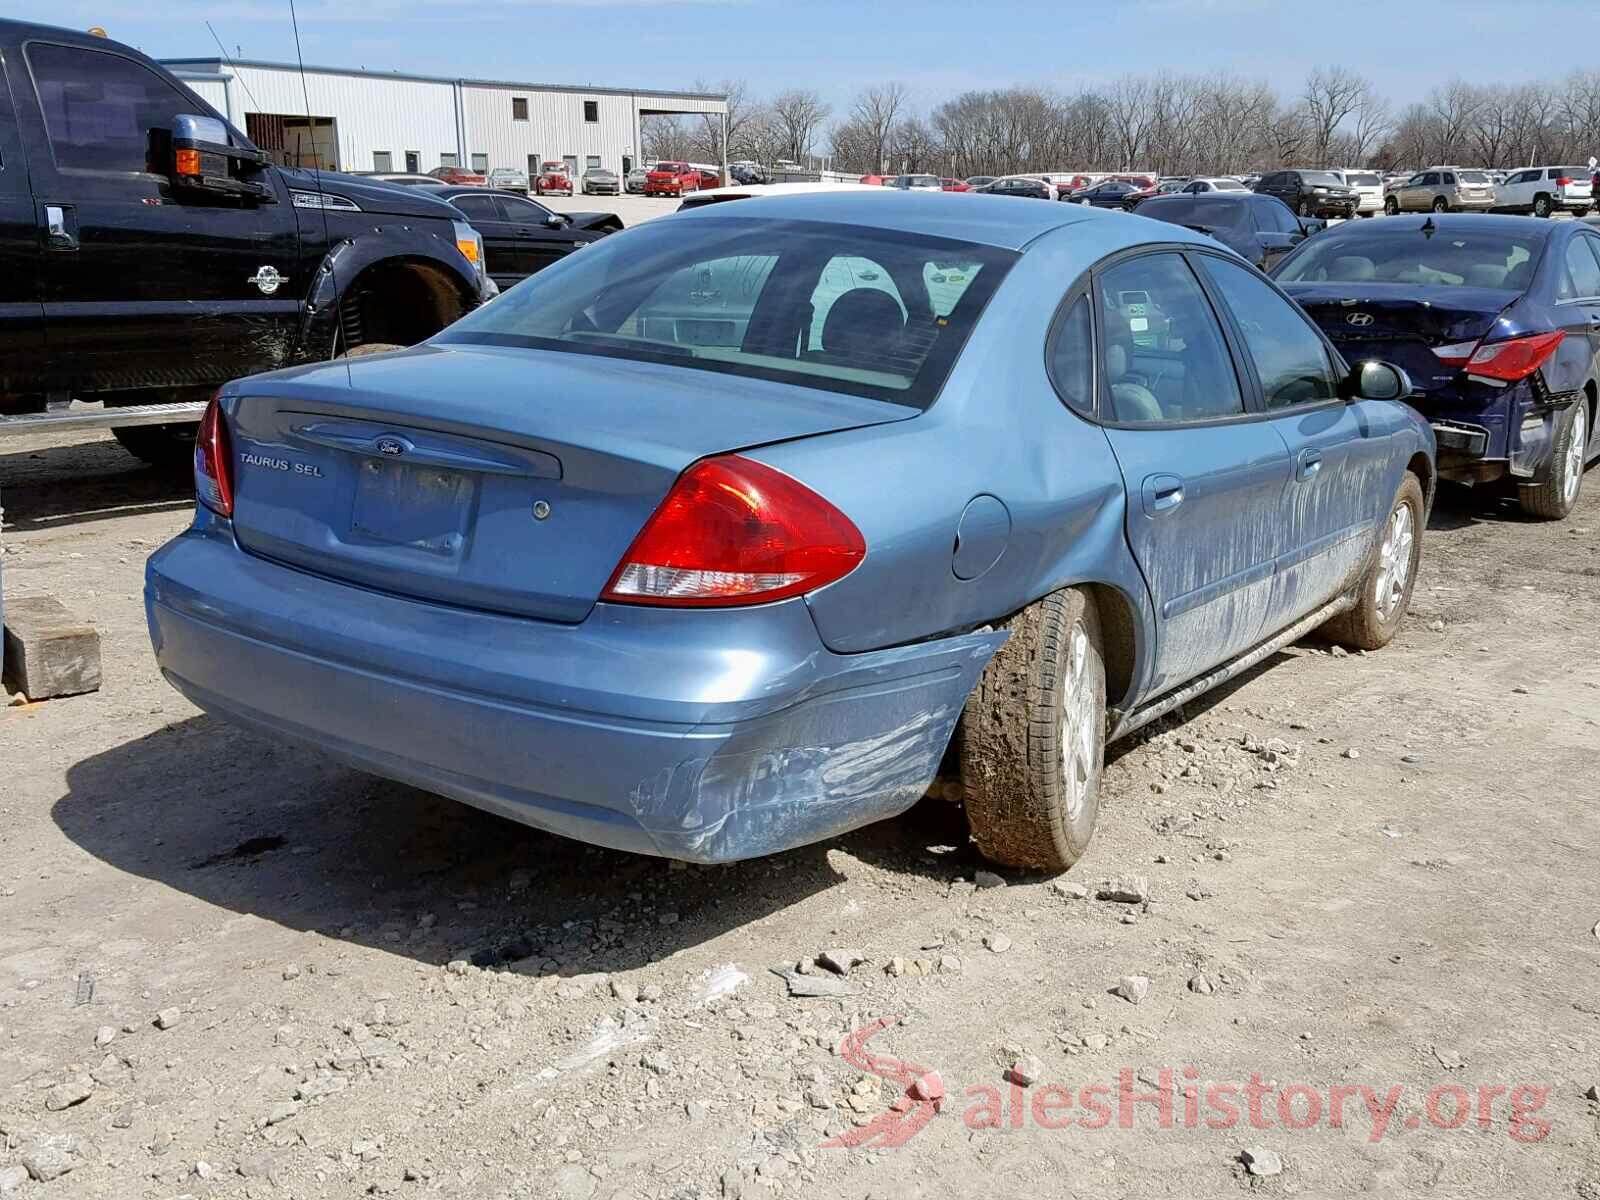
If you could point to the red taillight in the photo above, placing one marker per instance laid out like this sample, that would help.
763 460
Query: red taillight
213 462
734 531
1563 182
1514 359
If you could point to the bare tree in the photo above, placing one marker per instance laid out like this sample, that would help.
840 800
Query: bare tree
876 112
799 114
1330 95
741 111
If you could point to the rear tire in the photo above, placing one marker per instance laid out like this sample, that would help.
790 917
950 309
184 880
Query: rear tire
1387 582
1439 204
1033 737
1553 499
1541 206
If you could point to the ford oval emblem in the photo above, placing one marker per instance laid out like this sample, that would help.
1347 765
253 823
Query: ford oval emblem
391 446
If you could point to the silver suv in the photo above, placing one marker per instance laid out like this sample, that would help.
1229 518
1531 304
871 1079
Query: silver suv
1442 189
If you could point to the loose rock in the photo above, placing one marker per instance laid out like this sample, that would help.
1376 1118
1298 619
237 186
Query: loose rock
1125 889
1264 1163
168 1017
1201 985
988 879
68 1093
1069 890
839 959
998 943
1133 988
1026 1071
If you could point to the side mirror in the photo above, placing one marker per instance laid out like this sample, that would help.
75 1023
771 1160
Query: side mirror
1374 380
556 221
203 156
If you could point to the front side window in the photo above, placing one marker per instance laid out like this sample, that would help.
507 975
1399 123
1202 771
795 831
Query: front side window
1164 359
838 307
100 109
518 209
1580 276
1290 359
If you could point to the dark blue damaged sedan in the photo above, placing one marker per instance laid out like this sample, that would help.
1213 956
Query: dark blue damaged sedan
717 538
1497 321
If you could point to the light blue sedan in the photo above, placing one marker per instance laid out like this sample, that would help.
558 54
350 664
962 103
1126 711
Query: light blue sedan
722 536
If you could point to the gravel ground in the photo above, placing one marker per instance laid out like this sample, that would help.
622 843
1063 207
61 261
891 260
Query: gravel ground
229 967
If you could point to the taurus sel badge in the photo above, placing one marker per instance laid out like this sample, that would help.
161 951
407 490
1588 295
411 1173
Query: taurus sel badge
268 279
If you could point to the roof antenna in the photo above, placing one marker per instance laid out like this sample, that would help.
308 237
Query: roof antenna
322 199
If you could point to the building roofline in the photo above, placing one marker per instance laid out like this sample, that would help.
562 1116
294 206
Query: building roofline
219 64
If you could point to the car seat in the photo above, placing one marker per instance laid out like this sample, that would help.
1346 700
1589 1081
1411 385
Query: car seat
864 326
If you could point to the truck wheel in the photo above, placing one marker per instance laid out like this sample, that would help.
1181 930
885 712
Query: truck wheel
1033 737
1553 499
168 447
1386 585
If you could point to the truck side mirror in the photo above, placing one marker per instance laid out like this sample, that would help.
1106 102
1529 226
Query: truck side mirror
203 154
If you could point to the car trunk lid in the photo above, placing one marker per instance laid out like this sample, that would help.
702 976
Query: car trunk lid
502 479
1406 324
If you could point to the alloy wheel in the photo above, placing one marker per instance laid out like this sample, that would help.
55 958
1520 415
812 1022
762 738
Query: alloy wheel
1078 716
1572 466
1394 561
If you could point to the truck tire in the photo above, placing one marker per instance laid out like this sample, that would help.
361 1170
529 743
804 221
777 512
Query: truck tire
1387 582
167 447
1033 737
1553 499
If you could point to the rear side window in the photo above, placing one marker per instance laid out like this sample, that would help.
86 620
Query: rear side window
99 108
865 311
1071 358
1164 356
481 207
1580 275
1289 357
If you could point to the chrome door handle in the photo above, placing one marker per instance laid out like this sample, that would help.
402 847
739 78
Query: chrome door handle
56 234
1162 494
1308 465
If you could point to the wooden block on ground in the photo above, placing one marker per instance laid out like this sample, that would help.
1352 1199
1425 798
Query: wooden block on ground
48 651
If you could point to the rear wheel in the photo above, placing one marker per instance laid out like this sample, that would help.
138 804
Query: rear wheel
1439 204
1386 587
1033 737
1541 206
1553 499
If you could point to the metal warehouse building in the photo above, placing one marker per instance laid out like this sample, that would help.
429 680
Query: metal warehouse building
372 121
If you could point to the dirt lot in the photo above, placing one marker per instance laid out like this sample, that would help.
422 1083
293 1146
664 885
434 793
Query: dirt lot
1358 872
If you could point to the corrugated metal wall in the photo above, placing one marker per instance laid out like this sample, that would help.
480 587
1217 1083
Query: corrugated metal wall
370 112
375 113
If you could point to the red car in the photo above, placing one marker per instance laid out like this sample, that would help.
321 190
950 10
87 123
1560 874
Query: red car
458 177
675 178
954 185
553 180
877 180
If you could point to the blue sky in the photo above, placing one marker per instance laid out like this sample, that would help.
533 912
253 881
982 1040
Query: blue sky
935 47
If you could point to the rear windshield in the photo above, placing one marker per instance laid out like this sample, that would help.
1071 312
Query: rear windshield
1473 177
674 168
1206 214
1570 173
1494 260
1320 178
1362 179
869 312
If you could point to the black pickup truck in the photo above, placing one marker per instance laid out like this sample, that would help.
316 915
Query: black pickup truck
149 252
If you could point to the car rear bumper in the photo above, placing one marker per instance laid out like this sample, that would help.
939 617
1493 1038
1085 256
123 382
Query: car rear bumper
1508 433
695 735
